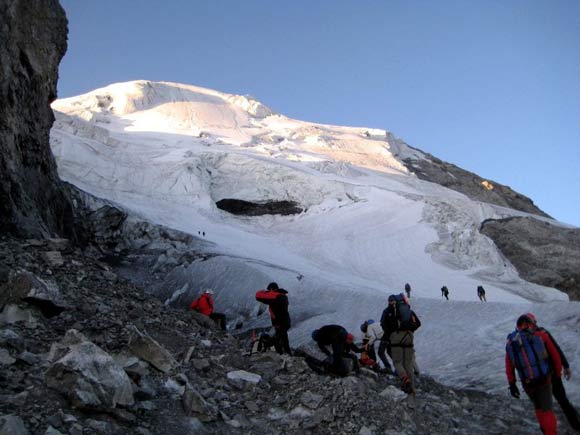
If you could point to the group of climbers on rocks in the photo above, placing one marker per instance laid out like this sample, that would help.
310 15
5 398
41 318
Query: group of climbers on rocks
531 351
394 333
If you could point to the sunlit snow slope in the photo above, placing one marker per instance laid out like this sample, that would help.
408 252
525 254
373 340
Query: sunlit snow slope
168 152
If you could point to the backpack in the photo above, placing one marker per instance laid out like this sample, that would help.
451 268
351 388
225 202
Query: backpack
407 320
529 356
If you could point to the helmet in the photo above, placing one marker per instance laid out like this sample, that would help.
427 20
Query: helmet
370 321
208 291
272 286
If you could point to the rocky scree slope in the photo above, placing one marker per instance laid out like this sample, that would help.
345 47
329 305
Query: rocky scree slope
110 360
432 169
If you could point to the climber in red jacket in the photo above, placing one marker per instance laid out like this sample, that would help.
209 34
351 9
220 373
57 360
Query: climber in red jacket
204 305
277 302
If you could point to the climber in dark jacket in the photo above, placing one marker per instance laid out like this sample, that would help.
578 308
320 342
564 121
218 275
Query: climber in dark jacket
341 342
277 302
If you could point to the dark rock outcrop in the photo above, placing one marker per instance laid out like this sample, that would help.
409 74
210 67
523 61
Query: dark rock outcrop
247 208
32 42
542 253
472 185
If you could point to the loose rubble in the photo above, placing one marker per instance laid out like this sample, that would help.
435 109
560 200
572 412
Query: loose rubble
115 361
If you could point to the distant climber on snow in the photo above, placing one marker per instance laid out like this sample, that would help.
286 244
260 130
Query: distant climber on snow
408 290
532 352
204 305
481 293
445 292
341 342
277 301
399 324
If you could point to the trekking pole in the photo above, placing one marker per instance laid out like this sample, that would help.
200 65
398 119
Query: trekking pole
252 341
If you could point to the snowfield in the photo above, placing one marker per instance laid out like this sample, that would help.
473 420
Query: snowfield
168 152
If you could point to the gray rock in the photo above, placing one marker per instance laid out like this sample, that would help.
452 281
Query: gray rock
365 431
58 244
76 429
25 286
311 400
5 358
146 348
14 314
201 364
52 431
87 376
245 376
203 320
393 394
12 425
195 405
10 338
53 258
103 427
29 358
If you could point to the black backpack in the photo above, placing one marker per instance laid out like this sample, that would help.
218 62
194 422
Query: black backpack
407 320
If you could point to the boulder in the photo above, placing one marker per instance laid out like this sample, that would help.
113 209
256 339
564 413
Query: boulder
196 406
243 375
14 314
203 320
25 286
53 258
5 358
12 425
393 394
9 338
86 375
146 348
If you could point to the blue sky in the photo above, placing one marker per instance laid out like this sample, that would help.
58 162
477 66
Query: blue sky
492 86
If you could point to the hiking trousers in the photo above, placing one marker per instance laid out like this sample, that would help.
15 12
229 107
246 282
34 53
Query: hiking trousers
281 342
541 397
220 319
403 355
382 353
560 395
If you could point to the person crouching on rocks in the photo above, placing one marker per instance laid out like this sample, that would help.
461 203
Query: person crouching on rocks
341 342
277 302
204 305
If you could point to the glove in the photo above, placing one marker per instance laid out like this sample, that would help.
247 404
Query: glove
567 373
514 390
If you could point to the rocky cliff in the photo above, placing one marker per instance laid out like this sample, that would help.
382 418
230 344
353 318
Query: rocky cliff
432 169
542 253
32 43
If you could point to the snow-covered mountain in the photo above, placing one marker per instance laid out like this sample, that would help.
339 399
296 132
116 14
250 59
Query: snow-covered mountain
363 218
